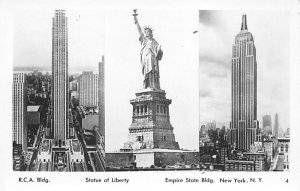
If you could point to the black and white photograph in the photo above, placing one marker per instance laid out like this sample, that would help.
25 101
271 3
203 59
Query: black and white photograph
151 90
151 95
58 91
244 90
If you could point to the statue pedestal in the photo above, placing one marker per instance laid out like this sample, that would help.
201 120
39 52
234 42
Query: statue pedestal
150 127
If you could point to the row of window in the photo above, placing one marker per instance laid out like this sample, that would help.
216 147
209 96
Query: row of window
141 138
143 109
161 109
140 110
286 148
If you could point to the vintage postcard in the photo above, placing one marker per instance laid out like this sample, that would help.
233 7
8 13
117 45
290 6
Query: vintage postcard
144 95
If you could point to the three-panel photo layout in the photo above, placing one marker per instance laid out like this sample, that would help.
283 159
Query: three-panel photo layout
150 90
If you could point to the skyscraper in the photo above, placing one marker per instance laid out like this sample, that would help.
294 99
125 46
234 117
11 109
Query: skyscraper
244 123
60 80
100 133
88 89
102 98
19 110
267 124
276 128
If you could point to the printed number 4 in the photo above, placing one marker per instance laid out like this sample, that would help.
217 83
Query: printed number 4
287 181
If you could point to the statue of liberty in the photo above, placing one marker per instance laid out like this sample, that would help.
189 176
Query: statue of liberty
151 54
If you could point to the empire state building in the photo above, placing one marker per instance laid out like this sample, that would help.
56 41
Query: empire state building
244 124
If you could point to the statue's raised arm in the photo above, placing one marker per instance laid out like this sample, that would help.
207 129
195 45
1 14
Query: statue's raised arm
137 23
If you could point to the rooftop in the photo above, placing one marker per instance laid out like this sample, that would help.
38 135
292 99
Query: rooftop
280 163
78 166
88 110
156 151
45 146
240 161
257 153
75 146
43 166
283 139
33 108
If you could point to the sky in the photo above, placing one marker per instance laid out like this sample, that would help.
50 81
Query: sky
270 30
33 38
93 33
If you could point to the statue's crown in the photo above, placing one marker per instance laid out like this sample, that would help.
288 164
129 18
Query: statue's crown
148 28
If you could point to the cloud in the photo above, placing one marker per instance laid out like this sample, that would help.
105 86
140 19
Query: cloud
210 18
218 74
220 61
207 17
214 68
204 93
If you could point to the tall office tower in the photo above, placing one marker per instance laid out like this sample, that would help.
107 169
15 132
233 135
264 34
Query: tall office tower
88 89
102 98
202 132
276 128
244 124
73 85
287 133
267 124
100 132
60 80
19 110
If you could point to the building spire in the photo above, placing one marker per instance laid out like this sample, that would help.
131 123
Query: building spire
244 23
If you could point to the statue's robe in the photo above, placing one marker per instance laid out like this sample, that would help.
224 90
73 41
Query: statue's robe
151 53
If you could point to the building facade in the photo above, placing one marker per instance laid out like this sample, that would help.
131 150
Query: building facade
282 158
267 124
34 114
73 85
276 126
239 165
244 124
259 159
88 89
100 132
151 127
88 118
60 80
19 110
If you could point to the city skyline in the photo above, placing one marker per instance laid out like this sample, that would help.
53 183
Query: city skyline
217 29
246 145
60 130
